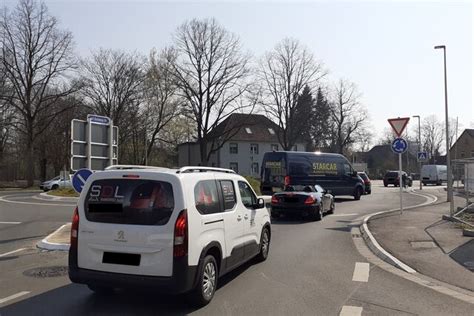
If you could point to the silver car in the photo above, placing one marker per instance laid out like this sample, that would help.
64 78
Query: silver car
55 183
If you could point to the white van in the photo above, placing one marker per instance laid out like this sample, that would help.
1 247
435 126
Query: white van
174 230
434 174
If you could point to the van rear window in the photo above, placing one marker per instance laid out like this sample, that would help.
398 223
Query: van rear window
126 201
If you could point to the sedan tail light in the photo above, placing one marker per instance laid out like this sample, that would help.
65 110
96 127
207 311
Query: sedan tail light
275 200
309 200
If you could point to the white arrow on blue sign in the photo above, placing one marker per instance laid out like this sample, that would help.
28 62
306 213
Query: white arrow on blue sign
80 178
399 145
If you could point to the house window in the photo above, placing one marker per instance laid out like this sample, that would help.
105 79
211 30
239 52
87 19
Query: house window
234 166
233 148
248 130
472 154
254 170
271 131
254 149
295 148
274 147
462 154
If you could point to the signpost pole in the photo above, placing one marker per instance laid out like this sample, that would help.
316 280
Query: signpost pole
400 181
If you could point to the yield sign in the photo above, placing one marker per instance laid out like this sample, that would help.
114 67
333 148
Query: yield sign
399 124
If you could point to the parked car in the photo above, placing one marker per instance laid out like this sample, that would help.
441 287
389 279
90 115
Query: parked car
332 171
392 177
176 231
55 183
366 179
434 174
311 201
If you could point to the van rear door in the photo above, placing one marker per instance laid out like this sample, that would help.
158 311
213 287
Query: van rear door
127 226
273 174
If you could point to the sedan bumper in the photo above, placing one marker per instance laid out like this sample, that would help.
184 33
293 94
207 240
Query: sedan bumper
301 210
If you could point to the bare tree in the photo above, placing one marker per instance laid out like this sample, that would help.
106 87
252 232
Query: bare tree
36 57
211 73
113 86
432 135
348 116
285 72
161 103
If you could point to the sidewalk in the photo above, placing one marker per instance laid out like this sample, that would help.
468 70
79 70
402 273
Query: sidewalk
428 244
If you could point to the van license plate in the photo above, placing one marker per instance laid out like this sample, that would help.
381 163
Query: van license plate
129 259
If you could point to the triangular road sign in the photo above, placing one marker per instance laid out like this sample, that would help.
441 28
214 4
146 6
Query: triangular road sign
399 124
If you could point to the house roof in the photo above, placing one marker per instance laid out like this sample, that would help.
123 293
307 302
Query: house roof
467 131
248 127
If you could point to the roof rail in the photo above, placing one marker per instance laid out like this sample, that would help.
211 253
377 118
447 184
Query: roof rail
125 167
204 169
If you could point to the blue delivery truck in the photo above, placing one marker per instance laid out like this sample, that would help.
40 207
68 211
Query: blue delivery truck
331 171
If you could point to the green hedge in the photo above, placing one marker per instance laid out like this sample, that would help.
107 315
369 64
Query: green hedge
255 183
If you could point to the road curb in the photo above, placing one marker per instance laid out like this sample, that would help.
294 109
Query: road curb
46 244
45 196
375 247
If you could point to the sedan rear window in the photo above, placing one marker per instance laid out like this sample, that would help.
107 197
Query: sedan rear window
125 201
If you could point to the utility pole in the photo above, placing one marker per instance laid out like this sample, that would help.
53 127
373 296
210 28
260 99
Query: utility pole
419 147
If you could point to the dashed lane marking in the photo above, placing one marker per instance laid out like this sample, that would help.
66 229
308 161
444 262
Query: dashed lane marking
351 311
12 297
361 272
10 223
348 214
11 252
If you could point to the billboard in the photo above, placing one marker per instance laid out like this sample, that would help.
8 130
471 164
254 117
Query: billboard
94 143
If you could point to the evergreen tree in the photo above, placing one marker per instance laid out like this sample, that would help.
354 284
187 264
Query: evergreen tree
321 126
302 119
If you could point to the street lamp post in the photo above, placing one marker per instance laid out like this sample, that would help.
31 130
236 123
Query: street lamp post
448 156
419 147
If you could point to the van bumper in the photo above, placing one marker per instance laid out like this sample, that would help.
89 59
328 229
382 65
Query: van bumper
184 277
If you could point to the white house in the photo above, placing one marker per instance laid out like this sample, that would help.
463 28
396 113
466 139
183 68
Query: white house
243 151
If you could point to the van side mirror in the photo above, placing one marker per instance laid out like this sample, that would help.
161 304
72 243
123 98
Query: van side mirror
354 174
260 203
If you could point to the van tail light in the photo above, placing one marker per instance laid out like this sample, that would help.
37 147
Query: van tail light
181 235
287 180
75 228
275 200
309 200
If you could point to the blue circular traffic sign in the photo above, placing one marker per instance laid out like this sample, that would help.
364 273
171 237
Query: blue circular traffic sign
80 178
399 145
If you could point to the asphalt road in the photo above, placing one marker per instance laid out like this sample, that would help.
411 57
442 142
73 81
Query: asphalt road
313 269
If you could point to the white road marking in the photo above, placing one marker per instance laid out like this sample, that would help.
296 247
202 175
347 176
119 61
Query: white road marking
12 297
348 214
2 199
10 223
11 252
351 311
361 272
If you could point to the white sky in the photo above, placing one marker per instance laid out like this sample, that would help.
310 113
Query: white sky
385 47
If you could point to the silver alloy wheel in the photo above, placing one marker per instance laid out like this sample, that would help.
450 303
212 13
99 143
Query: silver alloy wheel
265 243
209 280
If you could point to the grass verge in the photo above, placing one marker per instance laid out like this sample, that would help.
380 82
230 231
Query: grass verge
64 192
